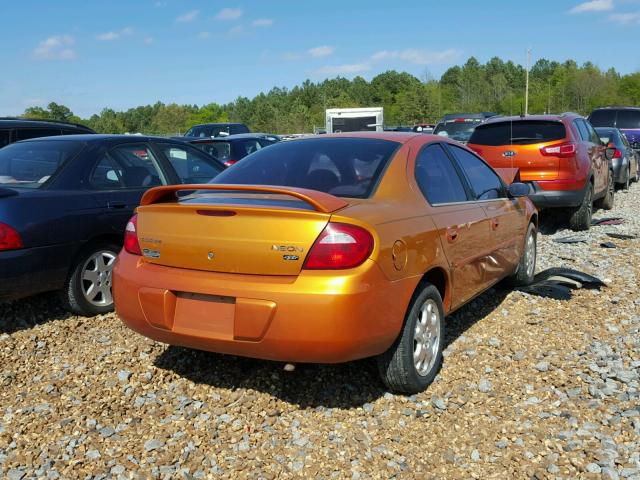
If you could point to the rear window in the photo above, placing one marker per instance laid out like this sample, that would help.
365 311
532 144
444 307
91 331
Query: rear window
31 164
345 167
215 130
458 129
221 151
519 132
628 119
603 118
606 135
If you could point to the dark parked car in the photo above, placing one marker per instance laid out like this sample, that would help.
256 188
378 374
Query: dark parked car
625 159
16 129
626 119
231 149
216 130
460 126
64 205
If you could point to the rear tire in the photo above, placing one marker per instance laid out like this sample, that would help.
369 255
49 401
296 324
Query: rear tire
88 288
526 269
607 202
580 218
415 358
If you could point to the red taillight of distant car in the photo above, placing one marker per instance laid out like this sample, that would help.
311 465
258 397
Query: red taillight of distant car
229 162
9 238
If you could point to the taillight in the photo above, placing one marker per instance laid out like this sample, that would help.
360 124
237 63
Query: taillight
131 244
339 246
9 238
559 150
230 162
618 153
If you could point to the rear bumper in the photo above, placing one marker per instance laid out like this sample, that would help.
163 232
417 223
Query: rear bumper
29 271
555 194
318 317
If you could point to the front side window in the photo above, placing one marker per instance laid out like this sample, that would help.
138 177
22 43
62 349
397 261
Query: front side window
31 164
127 166
346 167
437 178
486 184
593 136
190 165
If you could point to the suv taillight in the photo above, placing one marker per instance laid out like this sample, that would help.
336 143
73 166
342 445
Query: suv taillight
339 246
131 244
9 238
562 150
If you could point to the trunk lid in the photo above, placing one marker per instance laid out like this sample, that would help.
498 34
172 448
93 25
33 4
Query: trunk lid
263 233
527 158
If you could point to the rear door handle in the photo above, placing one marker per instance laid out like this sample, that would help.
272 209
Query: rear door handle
452 234
495 223
116 205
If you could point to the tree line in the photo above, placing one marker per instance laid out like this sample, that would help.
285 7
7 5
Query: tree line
495 86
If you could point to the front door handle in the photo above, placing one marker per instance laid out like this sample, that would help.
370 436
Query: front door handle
452 234
118 205
495 223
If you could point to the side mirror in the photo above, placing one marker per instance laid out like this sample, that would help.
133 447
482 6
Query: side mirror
609 153
518 189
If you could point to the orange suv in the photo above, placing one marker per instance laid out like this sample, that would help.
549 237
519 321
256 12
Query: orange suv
561 157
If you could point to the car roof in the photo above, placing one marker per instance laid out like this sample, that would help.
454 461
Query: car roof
100 137
518 118
215 124
32 122
613 107
225 138
400 137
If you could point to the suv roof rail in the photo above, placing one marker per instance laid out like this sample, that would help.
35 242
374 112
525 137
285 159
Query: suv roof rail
46 120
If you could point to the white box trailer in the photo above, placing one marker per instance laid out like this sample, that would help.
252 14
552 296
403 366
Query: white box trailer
354 119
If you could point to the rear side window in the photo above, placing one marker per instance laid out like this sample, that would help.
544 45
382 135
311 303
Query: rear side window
582 129
191 165
127 166
345 167
31 164
437 177
603 118
484 181
5 137
519 132
628 119
27 133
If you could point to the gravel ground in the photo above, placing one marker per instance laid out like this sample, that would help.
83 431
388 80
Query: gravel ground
531 387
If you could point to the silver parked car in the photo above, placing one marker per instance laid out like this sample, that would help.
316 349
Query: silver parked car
625 159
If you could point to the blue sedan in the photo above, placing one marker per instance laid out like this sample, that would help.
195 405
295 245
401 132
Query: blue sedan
64 205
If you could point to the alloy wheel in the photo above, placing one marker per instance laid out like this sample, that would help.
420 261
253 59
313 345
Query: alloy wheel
96 278
426 338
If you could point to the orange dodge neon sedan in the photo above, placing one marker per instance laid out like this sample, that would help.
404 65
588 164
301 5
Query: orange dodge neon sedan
327 249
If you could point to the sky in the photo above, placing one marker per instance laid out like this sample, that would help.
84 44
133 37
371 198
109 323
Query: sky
119 54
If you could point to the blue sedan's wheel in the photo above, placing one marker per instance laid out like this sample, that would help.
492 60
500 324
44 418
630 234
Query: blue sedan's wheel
88 288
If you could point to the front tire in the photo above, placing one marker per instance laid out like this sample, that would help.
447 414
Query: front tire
88 288
526 269
580 218
415 358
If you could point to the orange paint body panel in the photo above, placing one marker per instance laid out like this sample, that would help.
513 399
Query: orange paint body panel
230 277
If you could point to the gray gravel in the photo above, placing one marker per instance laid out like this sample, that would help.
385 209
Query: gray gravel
531 387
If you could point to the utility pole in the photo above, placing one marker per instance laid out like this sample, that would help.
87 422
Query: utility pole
526 88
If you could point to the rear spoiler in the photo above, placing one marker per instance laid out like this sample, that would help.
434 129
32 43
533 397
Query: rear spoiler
320 201
7 192
509 175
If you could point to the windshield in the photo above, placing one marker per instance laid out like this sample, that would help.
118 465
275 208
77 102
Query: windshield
459 130
628 119
345 167
31 164
518 132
